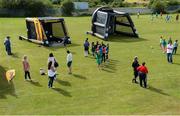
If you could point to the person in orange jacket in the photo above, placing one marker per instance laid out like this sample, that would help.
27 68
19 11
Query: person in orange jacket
143 71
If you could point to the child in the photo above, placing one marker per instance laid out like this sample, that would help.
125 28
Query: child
51 74
98 59
26 68
107 52
7 44
161 42
69 61
164 44
175 45
93 49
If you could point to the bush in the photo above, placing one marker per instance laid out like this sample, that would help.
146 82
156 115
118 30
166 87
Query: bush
67 8
173 3
117 3
31 7
158 6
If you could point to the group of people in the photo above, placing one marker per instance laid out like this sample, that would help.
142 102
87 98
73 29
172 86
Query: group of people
169 47
52 67
99 51
141 71
168 17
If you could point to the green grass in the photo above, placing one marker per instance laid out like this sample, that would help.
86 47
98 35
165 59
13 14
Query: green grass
89 90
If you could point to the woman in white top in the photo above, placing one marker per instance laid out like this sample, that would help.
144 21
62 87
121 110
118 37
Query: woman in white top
69 61
169 52
51 74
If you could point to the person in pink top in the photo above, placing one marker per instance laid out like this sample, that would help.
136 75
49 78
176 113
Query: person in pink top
26 68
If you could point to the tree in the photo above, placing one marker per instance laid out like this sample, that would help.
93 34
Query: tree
67 7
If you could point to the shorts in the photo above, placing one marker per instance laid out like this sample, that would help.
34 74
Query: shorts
69 64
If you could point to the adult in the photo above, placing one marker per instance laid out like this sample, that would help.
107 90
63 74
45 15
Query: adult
143 71
135 65
51 74
7 44
86 47
169 52
26 68
69 61
175 45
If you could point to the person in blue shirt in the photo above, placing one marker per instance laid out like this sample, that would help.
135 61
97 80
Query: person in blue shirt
7 44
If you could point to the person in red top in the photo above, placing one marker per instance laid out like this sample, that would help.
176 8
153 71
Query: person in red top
143 71
26 68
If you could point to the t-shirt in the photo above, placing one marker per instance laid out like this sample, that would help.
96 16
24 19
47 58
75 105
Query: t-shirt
51 59
26 65
51 72
142 69
169 48
69 57
175 44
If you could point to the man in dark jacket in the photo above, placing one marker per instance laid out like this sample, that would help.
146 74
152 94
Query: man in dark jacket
135 64
7 44
143 71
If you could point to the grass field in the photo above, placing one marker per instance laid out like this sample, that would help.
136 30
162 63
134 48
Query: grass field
89 90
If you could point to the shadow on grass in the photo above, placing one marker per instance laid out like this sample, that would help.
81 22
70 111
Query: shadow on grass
62 47
125 39
110 66
157 90
176 63
35 83
5 87
64 83
79 76
15 55
63 92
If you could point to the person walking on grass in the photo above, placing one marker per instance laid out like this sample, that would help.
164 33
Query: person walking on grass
135 65
69 61
26 68
107 52
164 44
143 71
7 44
169 40
170 52
104 53
161 42
175 45
98 59
86 48
51 74
177 17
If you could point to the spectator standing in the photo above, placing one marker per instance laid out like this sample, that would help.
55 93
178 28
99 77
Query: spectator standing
169 52
175 45
69 61
143 71
26 68
7 44
135 65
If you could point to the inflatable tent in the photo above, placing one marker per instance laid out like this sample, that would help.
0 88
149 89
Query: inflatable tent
46 31
106 21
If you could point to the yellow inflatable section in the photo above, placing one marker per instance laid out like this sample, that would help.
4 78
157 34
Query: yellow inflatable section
10 74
